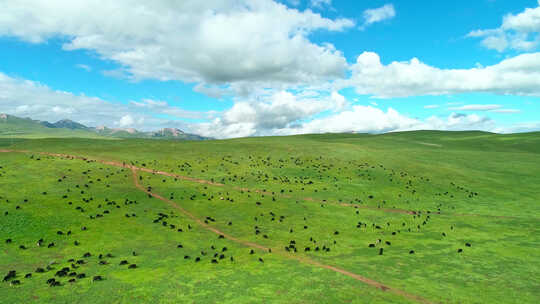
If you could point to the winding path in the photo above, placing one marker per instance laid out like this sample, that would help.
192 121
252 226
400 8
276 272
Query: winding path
282 253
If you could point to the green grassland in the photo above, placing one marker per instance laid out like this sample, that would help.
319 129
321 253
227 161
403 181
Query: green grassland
428 192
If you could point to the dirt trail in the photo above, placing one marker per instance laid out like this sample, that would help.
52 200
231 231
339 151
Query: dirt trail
207 182
193 217
279 252
300 259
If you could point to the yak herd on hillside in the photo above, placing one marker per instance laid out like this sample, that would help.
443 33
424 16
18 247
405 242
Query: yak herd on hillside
215 255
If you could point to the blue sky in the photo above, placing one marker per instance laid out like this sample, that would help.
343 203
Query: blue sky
251 68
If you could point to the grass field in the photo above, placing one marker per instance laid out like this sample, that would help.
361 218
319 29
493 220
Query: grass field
451 217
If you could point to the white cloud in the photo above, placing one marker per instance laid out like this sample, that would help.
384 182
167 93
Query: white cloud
26 98
506 111
476 107
486 107
431 107
519 75
126 121
459 122
294 2
269 114
382 13
357 119
213 42
285 114
279 113
518 32
84 67
320 3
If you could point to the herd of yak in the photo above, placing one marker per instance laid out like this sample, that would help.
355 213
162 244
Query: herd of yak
323 174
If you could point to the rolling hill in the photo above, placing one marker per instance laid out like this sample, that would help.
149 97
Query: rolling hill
12 126
412 217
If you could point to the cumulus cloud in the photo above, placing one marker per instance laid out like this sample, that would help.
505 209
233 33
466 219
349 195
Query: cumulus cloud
485 107
279 113
126 121
431 106
286 114
210 42
320 3
269 114
374 15
84 67
518 32
476 107
365 119
518 75
26 98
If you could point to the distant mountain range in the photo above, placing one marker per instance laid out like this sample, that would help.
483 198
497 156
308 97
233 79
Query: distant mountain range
27 127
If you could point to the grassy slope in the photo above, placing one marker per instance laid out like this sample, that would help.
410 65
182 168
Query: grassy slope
501 266
14 127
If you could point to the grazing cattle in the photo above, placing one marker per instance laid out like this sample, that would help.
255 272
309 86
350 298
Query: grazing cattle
214 261
22 247
411 252
97 278
251 251
40 270
60 273
72 281
124 262
186 257
132 266
81 276
87 255
55 284
28 276
371 245
11 275
50 281
197 259
180 246
460 250
50 245
381 251
15 282
388 243
72 274
8 241
134 253
232 259
261 260
76 243
468 244
103 263
221 236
